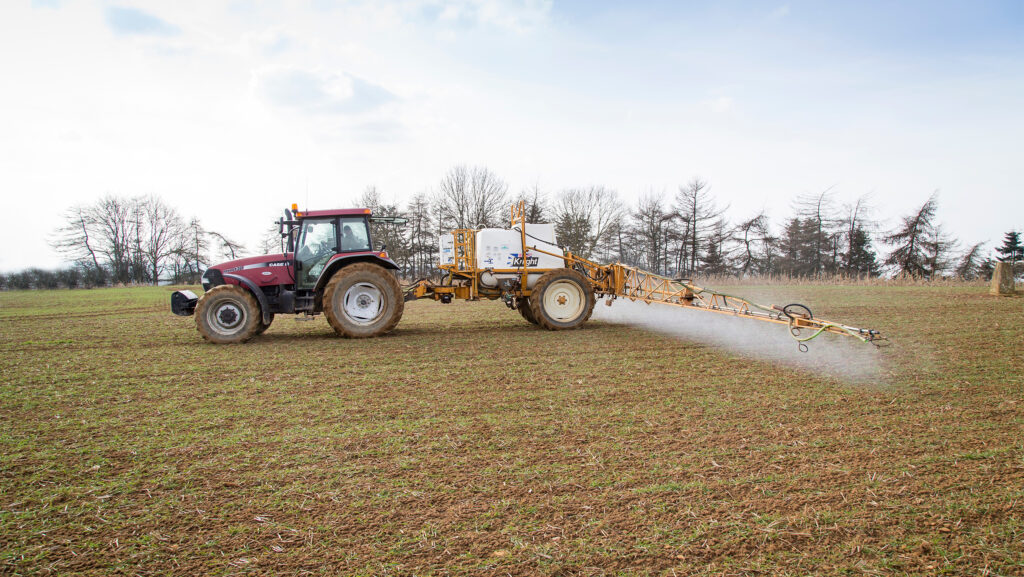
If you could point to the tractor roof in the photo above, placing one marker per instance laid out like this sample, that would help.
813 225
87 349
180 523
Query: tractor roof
335 212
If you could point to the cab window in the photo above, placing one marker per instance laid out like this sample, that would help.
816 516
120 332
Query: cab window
354 236
318 236
317 244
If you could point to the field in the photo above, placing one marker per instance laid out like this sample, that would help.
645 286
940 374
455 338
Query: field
469 442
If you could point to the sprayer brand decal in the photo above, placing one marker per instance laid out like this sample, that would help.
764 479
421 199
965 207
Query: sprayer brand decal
531 260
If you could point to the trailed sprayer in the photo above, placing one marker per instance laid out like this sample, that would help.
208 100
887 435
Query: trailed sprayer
329 265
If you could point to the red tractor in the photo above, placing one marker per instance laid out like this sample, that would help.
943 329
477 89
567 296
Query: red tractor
329 265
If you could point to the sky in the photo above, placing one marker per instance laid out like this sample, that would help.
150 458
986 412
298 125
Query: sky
233 110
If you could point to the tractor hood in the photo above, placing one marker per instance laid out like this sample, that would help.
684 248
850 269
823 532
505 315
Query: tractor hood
215 274
277 259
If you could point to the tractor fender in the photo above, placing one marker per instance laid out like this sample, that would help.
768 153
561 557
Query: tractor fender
345 260
256 292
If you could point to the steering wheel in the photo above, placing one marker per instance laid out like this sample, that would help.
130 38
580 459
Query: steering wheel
323 250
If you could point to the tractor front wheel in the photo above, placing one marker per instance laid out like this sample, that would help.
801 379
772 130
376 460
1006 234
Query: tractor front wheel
363 300
264 326
228 314
561 300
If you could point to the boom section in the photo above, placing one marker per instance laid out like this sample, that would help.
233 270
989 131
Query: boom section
638 285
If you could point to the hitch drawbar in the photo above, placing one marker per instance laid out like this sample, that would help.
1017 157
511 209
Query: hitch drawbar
183 303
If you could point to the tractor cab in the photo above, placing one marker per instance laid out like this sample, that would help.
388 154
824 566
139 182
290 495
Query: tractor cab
318 238
328 264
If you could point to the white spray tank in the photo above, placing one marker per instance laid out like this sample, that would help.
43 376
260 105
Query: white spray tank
500 250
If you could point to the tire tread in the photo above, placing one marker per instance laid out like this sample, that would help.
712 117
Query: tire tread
397 306
253 314
538 292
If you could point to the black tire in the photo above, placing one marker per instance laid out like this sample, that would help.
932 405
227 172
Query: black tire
590 309
363 300
523 304
263 327
228 314
562 300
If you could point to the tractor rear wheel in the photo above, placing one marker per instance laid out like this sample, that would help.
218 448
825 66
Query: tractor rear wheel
228 314
523 304
363 300
561 300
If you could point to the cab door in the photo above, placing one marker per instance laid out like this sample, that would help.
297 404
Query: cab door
318 242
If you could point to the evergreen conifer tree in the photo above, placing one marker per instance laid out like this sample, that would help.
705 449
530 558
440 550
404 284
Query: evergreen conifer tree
1012 251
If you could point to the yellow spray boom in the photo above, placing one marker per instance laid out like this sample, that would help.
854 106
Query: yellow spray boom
557 289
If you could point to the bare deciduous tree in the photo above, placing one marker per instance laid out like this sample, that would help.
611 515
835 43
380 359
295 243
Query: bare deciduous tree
270 240
228 248
383 234
585 217
191 253
422 240
134 239
651 223
162 227
73 238
749 233
536 203
471 198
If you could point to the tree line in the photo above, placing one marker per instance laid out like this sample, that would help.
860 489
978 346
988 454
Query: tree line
143 240
688 234
128 240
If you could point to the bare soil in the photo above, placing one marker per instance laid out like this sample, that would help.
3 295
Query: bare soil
469 441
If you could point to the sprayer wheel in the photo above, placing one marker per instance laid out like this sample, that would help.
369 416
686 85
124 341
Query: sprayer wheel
590 309
363 300
525 310
561 300
227 314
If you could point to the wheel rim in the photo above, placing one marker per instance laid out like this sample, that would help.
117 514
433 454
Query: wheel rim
363 303
226 318
564 301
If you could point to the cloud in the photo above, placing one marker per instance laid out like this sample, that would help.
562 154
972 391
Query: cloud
129 21
322 94
721 104
271 42
277 45
51 4
378 131
515 15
